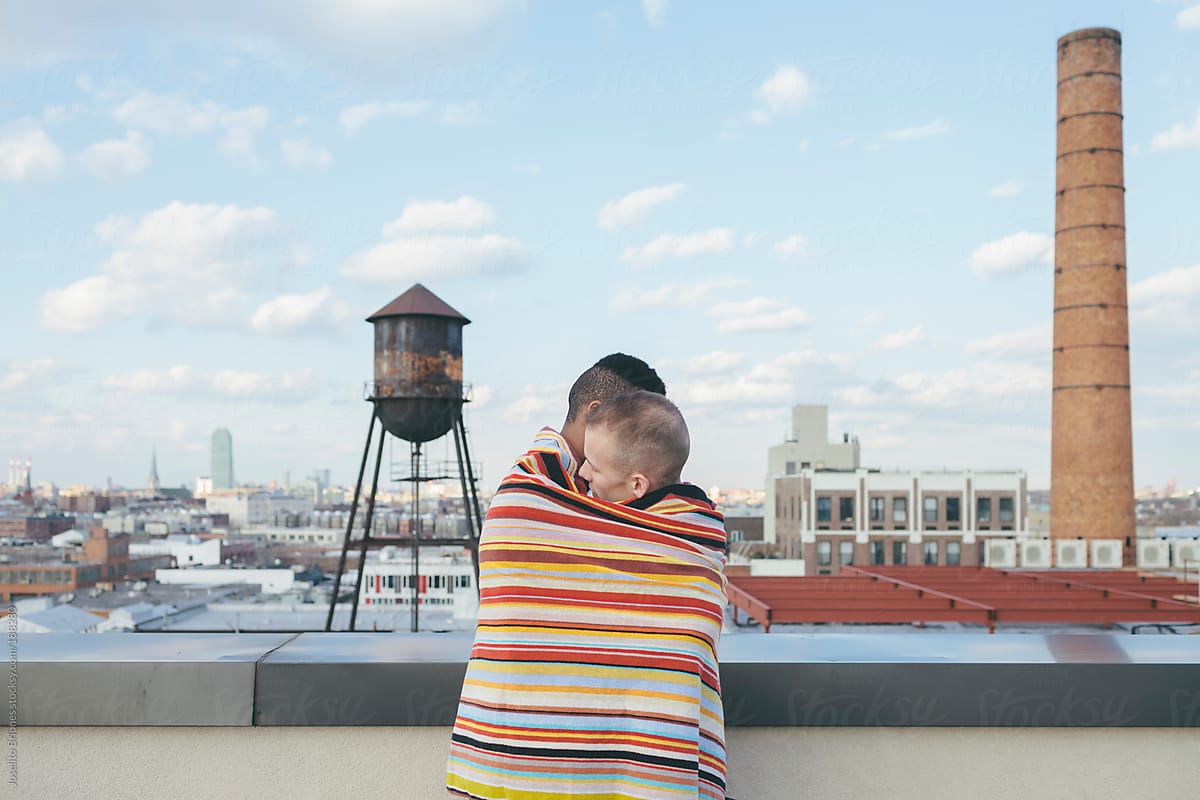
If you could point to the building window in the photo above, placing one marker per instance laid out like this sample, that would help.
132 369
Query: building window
953 513
824 509
899 509
953 554
1006 509
876 509
931 554
735 535
846 552
899 552
846 509
876 553
983 509
789 468
931 509
824 554
805 465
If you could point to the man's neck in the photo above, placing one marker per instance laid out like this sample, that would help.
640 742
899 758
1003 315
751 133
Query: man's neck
572 433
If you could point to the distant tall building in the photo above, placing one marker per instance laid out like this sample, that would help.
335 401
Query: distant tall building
222 459
152 484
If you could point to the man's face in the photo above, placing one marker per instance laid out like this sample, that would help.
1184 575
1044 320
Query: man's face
601 468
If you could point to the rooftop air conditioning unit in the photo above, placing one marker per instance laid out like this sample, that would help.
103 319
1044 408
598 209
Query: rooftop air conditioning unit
1071 554
1153 554
1035 554
1106 554
1001 554
1187 553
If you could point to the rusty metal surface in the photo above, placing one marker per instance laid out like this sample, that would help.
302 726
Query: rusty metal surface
418 300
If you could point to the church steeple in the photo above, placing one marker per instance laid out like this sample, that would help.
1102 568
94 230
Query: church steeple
152 484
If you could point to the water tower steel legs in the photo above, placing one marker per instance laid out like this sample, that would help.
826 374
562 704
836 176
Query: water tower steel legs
362 468
474 517
366 539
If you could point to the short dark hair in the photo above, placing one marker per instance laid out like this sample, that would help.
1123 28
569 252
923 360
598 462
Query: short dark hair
650 433
612 375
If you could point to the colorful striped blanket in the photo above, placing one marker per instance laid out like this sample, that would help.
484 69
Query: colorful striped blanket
594 668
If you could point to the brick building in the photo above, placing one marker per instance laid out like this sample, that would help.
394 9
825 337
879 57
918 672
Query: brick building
34 527
104 559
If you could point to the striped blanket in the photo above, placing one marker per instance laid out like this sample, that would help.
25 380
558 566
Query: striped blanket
594 669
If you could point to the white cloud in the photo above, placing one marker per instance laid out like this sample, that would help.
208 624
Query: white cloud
241 127
381 38
414 250
117 157
300 313
734 391
758 314
984 383
355 117
671 295
289 387
301 154
672 245
174 114
167 114
1012 254
716 362
655 12
785 92
481 396
1167 300
636 206
421 258
464 214
27 152
795 245
869 322
1006 189
174 380
23 374
901 339
190 261
1025 342
1189 18
1178 136
460 113
926 131
538 402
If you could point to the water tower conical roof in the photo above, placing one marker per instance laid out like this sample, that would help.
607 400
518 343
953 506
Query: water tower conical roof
417 301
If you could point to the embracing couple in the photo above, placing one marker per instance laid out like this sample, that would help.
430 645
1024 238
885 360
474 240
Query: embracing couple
594 668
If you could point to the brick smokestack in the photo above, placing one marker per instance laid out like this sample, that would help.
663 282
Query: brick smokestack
1091 460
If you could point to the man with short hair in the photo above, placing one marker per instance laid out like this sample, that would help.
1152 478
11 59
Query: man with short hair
634 445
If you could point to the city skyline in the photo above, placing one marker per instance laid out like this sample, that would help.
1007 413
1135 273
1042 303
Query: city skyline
773 207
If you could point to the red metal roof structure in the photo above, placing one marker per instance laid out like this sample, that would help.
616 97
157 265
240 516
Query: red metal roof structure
964 594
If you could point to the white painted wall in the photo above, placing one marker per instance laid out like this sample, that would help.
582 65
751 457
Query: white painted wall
765 763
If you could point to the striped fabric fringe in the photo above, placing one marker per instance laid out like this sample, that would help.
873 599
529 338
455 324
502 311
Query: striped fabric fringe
594 669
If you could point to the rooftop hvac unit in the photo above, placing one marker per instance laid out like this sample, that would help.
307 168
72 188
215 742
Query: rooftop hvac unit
1107 554
1071 554
1035 554
1187 553
1001 554
1153 554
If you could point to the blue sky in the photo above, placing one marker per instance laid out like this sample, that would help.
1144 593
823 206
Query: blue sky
774 203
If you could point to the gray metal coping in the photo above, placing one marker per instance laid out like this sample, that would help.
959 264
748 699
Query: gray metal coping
871 680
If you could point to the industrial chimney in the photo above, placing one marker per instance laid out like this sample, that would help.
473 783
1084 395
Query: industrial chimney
1091 461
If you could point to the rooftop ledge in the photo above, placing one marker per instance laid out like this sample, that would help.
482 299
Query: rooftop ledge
822 716
780 680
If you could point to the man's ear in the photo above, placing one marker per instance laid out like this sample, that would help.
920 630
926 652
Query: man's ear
590 407
639 484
